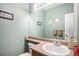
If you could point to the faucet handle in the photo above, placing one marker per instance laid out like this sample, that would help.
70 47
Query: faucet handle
57 43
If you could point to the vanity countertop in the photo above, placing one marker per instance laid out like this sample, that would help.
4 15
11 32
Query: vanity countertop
40 42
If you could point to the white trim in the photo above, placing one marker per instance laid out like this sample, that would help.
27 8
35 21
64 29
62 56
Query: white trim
75 12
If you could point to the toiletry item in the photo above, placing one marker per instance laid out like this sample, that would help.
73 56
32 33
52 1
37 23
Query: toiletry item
76 50
71 44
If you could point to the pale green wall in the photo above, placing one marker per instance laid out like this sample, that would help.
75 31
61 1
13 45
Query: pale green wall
34 29
12 33
52 14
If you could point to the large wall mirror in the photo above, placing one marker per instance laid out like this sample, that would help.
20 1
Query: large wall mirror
52 21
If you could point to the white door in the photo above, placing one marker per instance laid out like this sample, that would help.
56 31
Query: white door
69 25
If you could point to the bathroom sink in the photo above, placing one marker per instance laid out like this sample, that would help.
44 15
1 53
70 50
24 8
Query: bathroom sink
53 49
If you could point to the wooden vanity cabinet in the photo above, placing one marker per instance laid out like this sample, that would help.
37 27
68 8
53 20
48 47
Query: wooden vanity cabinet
36 53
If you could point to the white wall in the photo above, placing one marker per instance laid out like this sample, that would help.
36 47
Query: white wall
12 33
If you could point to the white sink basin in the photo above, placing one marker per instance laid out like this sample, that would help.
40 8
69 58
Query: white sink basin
52 49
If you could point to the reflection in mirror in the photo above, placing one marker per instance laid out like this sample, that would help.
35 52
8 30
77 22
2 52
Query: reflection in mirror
55 20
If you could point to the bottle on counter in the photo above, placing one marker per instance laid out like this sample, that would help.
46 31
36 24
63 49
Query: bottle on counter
71 43
76 50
